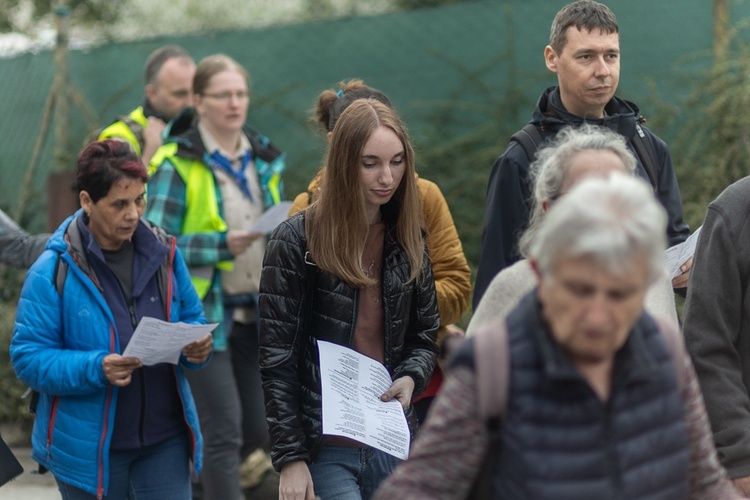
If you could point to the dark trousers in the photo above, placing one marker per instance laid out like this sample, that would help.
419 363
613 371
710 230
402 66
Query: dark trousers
244 347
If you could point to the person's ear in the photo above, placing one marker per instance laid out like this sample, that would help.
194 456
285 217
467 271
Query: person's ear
150 92
329 135
85 201
546 204
198 103
550 58
535 267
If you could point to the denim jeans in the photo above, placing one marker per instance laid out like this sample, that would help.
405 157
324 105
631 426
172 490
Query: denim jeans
157 472
348 472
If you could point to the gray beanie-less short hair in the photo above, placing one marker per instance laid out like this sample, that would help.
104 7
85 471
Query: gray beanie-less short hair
612 220
553 162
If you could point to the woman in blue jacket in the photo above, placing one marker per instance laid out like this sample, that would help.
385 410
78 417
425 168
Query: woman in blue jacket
106 426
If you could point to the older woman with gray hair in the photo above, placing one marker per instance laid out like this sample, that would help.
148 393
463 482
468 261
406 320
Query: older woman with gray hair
575 154
602 399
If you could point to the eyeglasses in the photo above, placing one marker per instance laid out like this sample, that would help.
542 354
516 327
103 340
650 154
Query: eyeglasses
226 96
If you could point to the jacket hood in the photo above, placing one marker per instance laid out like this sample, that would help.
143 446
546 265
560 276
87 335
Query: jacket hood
57 241
68 238
550 114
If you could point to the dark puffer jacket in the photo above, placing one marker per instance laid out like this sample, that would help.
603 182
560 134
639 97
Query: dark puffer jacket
561 441
288 329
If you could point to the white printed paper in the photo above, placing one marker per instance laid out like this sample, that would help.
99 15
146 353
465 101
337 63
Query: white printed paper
271 218
679 254
156 341
352 385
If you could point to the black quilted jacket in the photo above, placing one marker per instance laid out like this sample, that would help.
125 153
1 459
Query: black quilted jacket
288 329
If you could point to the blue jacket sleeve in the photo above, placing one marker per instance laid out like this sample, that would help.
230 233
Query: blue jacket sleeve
40 357
506 215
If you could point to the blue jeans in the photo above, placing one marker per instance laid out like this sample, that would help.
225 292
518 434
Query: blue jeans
348 472
157 472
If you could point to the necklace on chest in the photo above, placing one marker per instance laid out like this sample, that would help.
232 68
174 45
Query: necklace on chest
371 262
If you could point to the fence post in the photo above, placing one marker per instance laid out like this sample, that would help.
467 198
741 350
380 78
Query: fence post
61 197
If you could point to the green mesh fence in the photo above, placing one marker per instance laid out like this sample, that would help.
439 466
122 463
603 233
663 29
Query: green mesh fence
464 76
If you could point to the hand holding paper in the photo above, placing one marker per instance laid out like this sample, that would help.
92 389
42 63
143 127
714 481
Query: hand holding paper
199 351
352 387
680 254
118 369
156 341
401 390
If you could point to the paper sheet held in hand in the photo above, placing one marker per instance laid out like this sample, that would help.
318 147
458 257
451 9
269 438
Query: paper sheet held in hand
679 254
272 217
352 385
156 341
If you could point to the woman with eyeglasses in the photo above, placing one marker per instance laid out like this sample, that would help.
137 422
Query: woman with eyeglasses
212 178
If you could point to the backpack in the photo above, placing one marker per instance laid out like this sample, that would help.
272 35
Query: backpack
492 360
530 139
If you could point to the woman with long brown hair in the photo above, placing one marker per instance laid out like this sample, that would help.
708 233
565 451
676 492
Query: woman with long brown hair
351 270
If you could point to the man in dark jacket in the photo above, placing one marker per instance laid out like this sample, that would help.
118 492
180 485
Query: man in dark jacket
584 52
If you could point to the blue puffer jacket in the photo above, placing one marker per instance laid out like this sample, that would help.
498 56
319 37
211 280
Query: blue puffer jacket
58 345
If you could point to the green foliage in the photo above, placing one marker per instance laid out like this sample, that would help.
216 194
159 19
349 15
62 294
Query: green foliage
14 409
706 124
420 4
469 130
711 144
81 11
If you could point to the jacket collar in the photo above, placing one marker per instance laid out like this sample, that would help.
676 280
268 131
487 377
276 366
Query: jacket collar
634 362
183 130
550 114
75 238
149 110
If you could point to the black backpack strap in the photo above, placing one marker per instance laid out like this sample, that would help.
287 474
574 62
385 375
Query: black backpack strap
647 155
61 272
530 138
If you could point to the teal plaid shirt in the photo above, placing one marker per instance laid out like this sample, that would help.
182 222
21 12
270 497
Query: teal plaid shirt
166 205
